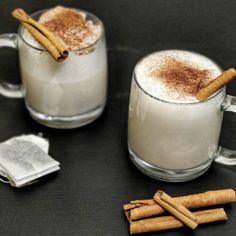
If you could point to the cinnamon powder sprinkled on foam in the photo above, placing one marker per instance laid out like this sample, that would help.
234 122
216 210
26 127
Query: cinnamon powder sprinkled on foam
70 27
181 77
175 75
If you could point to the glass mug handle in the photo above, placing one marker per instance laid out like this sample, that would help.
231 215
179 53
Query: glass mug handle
227 156
8 89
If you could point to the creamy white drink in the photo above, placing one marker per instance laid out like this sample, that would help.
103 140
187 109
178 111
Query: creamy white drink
72 88
168 128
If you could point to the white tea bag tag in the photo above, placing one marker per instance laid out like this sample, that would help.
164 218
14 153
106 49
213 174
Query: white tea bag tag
24 159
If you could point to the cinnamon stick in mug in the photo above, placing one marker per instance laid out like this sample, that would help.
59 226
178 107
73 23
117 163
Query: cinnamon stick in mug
139 209
170 222
42 35
216 84
44 42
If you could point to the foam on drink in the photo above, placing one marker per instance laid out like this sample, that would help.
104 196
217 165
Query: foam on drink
174 75
71 27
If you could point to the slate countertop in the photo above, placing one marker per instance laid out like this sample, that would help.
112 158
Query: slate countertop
97 176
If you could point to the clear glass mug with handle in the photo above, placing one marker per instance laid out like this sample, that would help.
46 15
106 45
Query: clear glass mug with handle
173 141
62 95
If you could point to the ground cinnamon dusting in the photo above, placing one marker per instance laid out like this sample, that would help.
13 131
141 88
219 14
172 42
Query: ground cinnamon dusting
180 76
69 26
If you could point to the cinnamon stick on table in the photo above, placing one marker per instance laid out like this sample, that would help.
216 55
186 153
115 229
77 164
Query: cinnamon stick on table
170 222
42 35
176 209
139 209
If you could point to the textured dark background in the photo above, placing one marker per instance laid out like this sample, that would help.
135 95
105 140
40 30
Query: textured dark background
97 177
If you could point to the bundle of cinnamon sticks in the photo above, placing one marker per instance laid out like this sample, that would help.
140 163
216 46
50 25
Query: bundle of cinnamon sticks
142 214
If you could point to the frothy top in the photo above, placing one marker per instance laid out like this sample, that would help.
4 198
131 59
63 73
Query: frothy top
175 75
70 27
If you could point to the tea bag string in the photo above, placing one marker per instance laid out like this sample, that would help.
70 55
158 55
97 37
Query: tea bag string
4 181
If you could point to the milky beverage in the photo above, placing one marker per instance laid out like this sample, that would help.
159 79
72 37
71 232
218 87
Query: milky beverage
168 128
74 86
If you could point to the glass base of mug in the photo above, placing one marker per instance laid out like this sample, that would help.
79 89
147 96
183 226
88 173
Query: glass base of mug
168 175
63 122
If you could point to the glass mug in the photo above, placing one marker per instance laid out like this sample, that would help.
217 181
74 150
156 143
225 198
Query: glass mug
61 95
176 142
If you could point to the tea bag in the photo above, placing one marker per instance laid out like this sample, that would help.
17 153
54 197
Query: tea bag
24 159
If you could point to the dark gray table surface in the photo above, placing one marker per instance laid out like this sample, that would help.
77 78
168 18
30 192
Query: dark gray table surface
97 177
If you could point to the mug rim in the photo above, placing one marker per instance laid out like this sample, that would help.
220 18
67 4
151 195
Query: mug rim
170 102
20 30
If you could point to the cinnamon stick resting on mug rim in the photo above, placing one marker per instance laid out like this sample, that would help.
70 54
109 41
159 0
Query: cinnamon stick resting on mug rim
42 35
170 222
216 84
139 209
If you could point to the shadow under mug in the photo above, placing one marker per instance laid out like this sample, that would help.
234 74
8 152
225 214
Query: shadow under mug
176 142
62 95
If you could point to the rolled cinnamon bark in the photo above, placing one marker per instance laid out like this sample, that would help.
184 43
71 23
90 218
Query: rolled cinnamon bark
170 222
216 84
145 208
44 42
138 203
42 35
172 202
176 209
